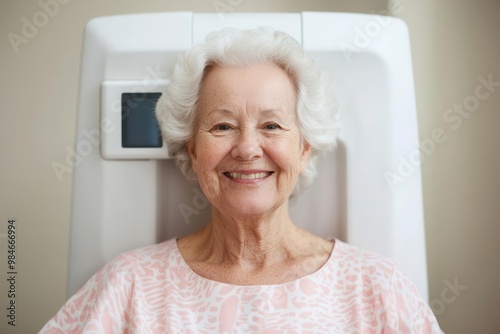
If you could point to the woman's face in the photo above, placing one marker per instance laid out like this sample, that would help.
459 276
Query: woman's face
247 149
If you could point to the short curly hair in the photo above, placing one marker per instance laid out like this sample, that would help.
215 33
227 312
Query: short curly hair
316 109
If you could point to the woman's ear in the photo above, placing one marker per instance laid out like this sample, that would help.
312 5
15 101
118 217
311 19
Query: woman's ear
305 154
191 148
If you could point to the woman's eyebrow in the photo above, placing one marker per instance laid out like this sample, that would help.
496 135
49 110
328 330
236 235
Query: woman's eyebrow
272 111
279 113
265 112
226 112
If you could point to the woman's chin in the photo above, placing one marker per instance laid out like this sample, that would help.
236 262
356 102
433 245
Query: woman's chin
247 206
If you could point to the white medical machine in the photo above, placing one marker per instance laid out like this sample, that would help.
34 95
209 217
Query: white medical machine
128 194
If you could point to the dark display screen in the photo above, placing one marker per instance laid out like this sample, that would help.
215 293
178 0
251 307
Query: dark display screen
139 125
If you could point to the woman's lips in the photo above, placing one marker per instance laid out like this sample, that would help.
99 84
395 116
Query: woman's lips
247 175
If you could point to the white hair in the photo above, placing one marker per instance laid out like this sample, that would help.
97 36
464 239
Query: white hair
177 108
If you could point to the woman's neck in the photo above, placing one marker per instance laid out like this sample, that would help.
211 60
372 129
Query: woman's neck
249 242
257 241
253 250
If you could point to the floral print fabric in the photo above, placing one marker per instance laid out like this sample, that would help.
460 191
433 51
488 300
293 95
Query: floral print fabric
152 290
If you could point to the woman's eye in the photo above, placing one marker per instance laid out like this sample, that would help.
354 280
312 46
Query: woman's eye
222 127
272 126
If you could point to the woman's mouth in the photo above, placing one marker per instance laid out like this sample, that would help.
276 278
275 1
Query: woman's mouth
247 176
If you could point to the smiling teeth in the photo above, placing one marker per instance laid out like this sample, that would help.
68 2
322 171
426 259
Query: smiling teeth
248 176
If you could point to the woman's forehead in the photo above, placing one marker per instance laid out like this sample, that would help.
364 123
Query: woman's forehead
265 85
249 74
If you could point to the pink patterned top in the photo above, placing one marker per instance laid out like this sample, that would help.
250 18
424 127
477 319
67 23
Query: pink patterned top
152 290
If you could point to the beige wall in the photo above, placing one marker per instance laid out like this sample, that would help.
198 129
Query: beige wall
454 42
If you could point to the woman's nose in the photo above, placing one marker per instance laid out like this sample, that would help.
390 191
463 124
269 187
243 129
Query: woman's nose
247 146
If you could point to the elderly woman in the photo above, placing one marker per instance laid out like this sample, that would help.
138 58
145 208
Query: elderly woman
245 114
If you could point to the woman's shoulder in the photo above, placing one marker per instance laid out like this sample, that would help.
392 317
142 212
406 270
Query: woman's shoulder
121 287
132 266
159 255
155 251
376 283
362 265
350 252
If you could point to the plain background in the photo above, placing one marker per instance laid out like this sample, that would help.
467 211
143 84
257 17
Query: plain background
453 43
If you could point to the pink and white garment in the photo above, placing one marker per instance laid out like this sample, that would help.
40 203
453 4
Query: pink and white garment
152 290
